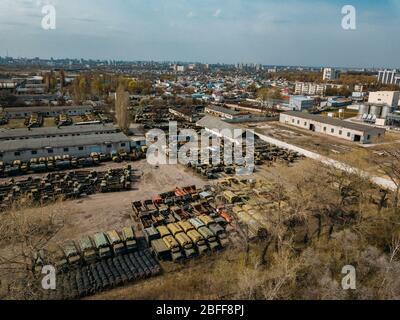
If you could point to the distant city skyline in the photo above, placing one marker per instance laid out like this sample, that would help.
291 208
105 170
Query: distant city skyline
277 32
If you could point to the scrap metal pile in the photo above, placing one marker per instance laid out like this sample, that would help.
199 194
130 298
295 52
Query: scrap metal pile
182 223
69 185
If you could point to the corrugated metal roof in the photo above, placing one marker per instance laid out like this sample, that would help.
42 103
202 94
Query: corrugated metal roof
334 122
64 142
54 131
45 108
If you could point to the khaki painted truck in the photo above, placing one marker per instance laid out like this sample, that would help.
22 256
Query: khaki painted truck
116 242
216 229
102 246
87 249
195 236
171 243
183 239
205 233
128 237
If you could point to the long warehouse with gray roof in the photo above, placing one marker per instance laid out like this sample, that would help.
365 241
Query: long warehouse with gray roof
74 141
347 130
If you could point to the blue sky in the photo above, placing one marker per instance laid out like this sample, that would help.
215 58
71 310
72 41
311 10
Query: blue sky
276 32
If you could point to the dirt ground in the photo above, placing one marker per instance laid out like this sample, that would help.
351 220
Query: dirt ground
348 152
105 211
108 211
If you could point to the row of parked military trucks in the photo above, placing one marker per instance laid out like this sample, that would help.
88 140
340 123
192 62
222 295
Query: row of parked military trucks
87 250
103 275
70 185
66 162
97 263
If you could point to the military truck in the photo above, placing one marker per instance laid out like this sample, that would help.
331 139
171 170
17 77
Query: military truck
216 229
184 241
128 237
57 258
88 250
195 236
171 243
71 253
231 197
205 233
160 249
115 157
96 158
116 243
102 246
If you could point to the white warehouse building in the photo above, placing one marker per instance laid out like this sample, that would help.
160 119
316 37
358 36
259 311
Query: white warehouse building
334 127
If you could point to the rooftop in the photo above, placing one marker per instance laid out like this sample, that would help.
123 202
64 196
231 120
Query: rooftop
333 121
64 142
45 108
6 134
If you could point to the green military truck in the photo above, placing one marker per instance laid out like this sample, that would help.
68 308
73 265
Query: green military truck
216 229
87 249
195 236
102 246
205 232
184 241
116 242
71 253
129 239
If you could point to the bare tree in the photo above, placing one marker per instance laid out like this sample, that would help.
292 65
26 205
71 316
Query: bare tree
390 165
24 232
121 108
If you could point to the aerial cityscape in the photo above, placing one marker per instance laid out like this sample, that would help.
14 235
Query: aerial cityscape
217 151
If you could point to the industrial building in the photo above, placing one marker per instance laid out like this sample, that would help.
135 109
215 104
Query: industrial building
389 98
23 112
333 127
224 113
300 103
54 132
76 141
76 146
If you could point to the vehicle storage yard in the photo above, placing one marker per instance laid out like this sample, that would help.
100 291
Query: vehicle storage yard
99 212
